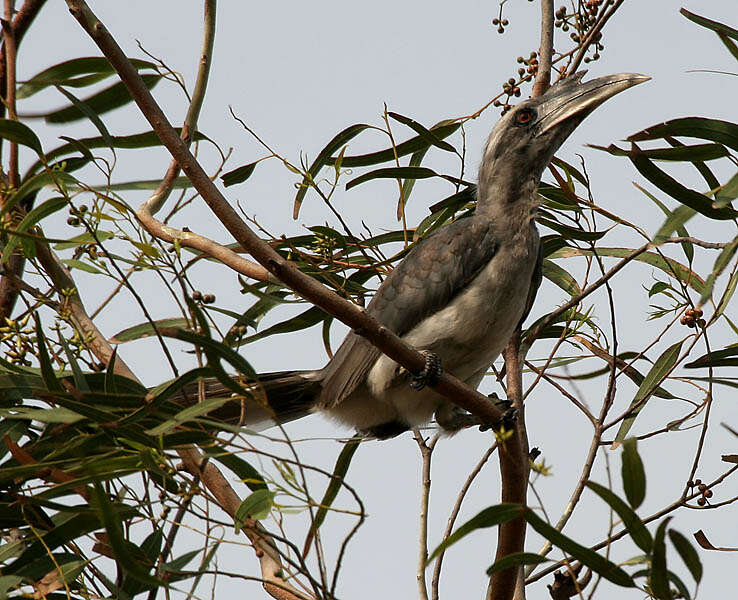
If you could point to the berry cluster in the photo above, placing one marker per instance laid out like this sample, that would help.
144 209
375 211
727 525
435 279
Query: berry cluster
692 317
75 214
501 24
702 489
582 21
198 296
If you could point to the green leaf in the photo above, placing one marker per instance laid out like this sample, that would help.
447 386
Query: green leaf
688 554
42 415
633 475
47 370
83 239
632 522
682 153
100 103
114 529
37 214
90 114
668 265
79 377
727 357
312 316
393 173
324 158
687 247
658 577
238 175
77 72
243 470
18 133
146 329
722 132
571 233
442 130
424 133
723 260
660 369
665 182
180 562
673 222
129 142
561 277
74 263
339 473
188 414
256 506
587 557
710 24
489 517
516 559
211 347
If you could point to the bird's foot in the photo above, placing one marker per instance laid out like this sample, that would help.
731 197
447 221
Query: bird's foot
431 373
508 418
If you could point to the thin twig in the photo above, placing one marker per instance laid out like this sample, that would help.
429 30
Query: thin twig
302 284
453 516
426 452
592 35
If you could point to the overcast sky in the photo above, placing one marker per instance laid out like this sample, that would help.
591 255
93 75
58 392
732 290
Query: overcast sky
299 72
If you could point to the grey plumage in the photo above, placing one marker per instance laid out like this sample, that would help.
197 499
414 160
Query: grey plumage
460 292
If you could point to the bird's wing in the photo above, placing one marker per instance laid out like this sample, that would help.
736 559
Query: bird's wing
433 272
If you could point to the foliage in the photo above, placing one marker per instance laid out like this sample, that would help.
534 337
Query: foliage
93 497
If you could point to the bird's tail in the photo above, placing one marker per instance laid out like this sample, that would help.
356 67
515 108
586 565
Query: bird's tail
277 398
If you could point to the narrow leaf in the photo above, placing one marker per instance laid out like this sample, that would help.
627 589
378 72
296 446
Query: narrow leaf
339 473
587 557
710 24
323 158
17 132
688 554
516 559
660 370
633 474
659 579
104 101
146 329
393 173
632 522
256 506
489 517
424 133
722 132
238 175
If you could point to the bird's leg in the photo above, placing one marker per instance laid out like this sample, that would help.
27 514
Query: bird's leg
509 416
431 373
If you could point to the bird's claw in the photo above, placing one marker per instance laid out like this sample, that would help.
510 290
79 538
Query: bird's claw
508 419
431 373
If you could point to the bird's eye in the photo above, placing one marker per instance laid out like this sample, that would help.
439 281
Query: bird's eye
524 117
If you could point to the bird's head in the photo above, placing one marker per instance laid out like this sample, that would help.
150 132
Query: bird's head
525 139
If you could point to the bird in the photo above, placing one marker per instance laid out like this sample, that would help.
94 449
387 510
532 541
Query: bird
458 294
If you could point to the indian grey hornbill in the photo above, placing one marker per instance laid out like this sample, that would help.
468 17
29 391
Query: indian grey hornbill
458 294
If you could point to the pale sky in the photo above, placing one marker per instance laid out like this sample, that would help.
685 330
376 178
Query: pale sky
299 72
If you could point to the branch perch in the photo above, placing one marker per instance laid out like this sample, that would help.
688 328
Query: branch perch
350 314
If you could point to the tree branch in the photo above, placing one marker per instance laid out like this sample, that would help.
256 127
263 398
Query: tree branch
305 286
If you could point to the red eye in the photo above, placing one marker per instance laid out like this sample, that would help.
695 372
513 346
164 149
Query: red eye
524 117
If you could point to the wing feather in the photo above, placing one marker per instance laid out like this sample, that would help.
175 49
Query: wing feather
434 271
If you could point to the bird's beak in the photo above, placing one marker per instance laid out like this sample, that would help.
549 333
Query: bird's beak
572 100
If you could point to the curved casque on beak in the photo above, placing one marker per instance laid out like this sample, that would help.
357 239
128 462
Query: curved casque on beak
573 100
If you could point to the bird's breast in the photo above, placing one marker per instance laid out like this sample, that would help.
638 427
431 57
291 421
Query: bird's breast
470 332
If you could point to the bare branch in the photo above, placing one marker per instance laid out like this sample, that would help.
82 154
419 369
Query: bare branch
545 51
305 286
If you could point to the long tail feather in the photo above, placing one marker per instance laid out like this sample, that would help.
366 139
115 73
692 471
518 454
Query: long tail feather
278 397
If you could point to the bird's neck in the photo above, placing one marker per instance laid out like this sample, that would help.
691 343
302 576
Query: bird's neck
508 203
